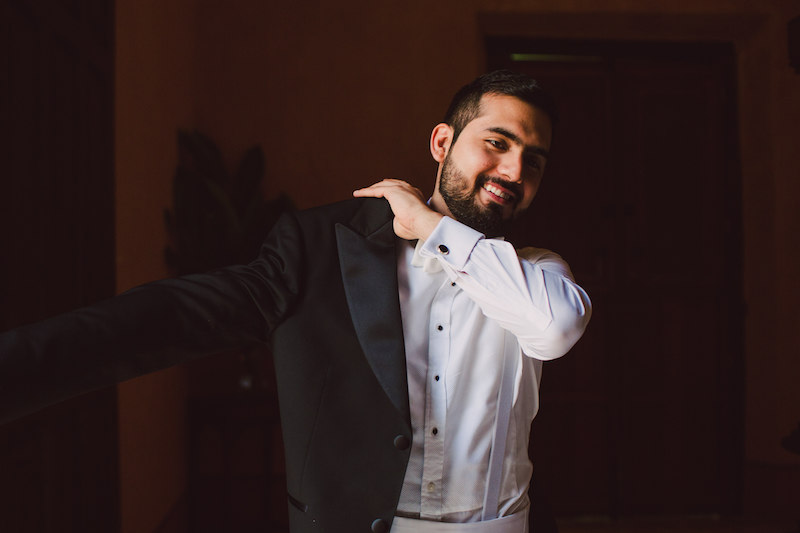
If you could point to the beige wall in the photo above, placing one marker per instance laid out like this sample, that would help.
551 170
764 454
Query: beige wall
342 93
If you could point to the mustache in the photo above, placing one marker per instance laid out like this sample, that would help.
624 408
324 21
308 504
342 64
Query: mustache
513 187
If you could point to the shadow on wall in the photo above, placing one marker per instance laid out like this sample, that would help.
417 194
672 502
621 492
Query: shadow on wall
235 459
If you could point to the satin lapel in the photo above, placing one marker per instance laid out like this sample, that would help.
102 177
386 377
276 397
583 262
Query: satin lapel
369 273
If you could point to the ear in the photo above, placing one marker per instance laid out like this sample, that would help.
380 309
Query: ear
441 137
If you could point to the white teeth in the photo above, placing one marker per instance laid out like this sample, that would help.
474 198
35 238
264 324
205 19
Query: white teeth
498 192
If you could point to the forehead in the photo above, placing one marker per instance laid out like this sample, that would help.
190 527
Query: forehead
527 122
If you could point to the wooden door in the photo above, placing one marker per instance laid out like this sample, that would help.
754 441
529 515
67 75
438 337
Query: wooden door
58 468
642 197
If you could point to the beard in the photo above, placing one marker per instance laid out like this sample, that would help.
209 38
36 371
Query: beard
464 206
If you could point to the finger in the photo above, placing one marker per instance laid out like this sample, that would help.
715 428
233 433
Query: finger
390 183
373 190
378 189
368 191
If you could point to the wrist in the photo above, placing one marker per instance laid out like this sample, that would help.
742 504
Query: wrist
426 223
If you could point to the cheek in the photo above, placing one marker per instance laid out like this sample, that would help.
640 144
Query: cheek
475 161
531 188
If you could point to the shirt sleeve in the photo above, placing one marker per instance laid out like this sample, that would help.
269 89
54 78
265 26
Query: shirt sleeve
529 292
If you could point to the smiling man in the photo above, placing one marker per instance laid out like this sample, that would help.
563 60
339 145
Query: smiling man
478 315
491 176
408 339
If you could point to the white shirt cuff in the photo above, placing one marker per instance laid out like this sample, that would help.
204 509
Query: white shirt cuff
451 242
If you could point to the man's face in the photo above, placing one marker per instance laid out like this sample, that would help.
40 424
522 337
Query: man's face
493 170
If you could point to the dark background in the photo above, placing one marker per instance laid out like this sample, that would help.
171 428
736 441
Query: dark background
672 193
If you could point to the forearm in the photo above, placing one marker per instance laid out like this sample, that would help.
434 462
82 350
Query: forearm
532 295
145 329
149 328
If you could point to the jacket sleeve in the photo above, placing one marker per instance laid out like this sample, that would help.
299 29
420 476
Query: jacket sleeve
150 327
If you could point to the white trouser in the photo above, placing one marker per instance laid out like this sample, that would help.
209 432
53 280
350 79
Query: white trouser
515 523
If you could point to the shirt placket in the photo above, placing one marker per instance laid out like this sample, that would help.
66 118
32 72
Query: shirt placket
436 402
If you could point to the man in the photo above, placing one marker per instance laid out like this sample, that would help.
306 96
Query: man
407 344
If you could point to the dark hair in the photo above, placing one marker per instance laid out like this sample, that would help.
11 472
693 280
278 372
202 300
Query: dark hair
466 104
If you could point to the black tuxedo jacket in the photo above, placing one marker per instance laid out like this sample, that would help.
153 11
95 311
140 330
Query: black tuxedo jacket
324 292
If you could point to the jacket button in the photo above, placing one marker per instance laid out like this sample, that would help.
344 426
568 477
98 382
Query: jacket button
380 526
401 442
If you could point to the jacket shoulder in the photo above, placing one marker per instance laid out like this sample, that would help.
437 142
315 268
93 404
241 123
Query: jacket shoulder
362 214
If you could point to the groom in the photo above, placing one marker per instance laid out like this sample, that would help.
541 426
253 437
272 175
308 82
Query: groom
408 336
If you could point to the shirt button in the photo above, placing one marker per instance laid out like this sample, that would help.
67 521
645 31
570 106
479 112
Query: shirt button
439 327
431 486
401 442
444 250
436 378
453 284
379 526
435 431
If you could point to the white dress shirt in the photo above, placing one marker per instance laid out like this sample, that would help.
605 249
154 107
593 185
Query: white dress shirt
465 300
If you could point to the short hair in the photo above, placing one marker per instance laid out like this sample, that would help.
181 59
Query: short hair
466 104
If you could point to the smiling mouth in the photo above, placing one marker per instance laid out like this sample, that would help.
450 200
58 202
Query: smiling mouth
500 193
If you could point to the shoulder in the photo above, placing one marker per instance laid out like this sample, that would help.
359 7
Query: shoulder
534 255
365 215
362 214
345 210
298 234
545 259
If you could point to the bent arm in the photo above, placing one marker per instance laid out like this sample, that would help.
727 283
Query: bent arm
529 292
149 328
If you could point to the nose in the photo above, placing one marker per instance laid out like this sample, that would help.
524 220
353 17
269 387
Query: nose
511 166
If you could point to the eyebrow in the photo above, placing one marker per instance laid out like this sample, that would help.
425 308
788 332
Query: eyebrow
516 140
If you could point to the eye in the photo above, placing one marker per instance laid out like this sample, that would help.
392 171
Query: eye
497 144
533 163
